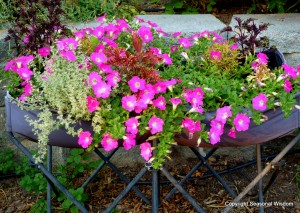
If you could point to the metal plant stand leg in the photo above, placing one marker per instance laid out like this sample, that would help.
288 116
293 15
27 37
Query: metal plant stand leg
49 187
49 175
260 182
264 172
193 170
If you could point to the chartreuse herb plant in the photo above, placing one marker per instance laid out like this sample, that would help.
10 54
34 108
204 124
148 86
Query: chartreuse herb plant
132 79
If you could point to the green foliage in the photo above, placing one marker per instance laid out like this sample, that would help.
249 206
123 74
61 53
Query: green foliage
40 206
210 5
7 163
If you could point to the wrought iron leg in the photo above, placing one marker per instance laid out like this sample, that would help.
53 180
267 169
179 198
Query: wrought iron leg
260 182
193 170
216 175
155 190
49 188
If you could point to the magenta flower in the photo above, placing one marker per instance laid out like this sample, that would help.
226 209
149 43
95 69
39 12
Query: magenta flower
145 33
155 124
185 43
160 103
67 44
262 58
235 46
129 102
217 126
175 102
287 85
27 89
136 84
132 125
129 141
232 133
25 73
123 25
94 78
85 139
160 87
44 51
167 59
191 126
223 113
259 102
146 151
113 79
214 137
215 55
108 143
22 98
68 55
194 97
98 32
102 90
241 122
291 71
98 58
176 34
92 103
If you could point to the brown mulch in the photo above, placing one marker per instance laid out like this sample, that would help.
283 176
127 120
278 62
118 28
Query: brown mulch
208 192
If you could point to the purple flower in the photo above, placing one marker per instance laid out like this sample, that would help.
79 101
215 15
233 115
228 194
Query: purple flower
160 103
215 55
185 43
291 71
241 122
129 141
102 90
287 85
132 125
69 55
44 51
223 113
155 124
108 143
98 58
259 102
146 150
145 33
262 58
92 103
85 139
129 102
136 84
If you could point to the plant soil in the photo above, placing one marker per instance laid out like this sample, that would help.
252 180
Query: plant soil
208 192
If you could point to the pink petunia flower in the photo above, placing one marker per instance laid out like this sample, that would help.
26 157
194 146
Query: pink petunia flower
232 133
44 51
98 58
223 113
155 124
214 137
27 89
136 84
92 103
94 78
67 44
185 42
68 55
287 86
108 143
217 126
259 102
132 125
262 58
98 32
191 126
129 141
291 71
241 122
145 33
25 73
113 79
129 102
175 102
146 151
235 46
160 103
85 139
102 90
215 55
167 59
160 87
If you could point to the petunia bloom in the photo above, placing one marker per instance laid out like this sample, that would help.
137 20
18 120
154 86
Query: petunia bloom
132 125
92 103
108 142
287 86
259 102
241 122
136 84
145 33
155 124
223 114
215 55
44 51
85 139
129 102
160 103
129 141
146 150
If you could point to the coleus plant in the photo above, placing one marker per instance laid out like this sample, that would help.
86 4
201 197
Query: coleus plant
132 79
